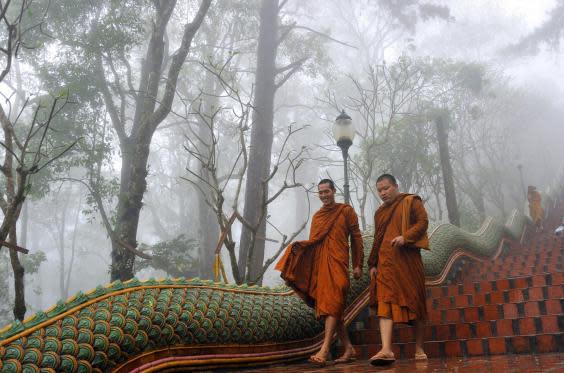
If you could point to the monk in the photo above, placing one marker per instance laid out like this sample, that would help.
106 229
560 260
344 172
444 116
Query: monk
318 268
397 278
536 211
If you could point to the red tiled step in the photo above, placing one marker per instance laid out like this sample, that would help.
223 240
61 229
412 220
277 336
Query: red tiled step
469 330
521 344
512 270
496 297
497 311
488 286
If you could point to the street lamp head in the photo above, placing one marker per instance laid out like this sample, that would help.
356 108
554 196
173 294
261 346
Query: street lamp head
343 130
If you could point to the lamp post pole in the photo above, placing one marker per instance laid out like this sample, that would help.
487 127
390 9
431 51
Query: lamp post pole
520 168
343 131
345 145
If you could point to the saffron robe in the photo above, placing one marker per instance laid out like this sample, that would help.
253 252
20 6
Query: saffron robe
536 211
317 268
398 292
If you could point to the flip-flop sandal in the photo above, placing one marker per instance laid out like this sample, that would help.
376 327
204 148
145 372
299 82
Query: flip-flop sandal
320 362
345 360
382 361
422 356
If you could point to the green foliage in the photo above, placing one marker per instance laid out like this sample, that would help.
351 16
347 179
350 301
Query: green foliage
32 261
408 13
549 33
176 257
5 303
469 217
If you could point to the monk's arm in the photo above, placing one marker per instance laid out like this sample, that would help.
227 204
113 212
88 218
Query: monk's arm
373 257
357 245
420 225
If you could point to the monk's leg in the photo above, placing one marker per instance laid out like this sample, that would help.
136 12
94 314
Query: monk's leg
330 328
386 328
419 338
343 334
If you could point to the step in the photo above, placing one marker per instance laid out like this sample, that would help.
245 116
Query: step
488 286
496 297
493 276
546 324
497 311
521 344
532 265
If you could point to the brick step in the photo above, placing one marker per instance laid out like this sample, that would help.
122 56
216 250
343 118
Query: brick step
497 311
496 297
493 276
467 330
489 286
507 269
522 344
525 257
551 264
486 313
524 262
497 267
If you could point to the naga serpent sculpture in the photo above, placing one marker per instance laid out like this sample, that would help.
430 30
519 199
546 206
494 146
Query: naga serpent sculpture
184 324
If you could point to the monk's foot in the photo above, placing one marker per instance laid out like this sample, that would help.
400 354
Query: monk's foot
348 357
383 358
321 359
420 354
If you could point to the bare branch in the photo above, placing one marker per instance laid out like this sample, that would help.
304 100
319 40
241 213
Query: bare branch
293 67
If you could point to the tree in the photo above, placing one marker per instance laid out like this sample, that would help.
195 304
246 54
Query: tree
549 33
382 97
441 121
230 119
28 148
103 43
284 48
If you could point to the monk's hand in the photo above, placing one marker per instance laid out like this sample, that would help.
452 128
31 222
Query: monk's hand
398 242
357 272
372 273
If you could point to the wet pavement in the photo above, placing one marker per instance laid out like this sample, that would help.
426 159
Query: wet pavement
553 362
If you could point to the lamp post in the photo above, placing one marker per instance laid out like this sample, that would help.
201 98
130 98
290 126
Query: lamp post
343 132
520 168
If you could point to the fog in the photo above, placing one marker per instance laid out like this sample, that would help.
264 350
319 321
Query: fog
132 143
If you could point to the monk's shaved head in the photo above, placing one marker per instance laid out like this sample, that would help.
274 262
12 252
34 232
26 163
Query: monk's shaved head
388 177
387 188
327 181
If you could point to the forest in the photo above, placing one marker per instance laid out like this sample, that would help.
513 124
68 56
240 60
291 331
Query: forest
171 138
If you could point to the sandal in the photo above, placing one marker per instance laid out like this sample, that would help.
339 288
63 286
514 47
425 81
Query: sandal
421 356
381 360
319 361
346 360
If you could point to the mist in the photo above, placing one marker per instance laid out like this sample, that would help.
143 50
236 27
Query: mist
142 142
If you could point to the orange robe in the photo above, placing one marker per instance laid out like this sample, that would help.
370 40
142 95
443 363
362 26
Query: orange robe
536 211
317 269
398 292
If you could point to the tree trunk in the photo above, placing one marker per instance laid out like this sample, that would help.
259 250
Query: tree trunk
73 245
19 285
25 224
61 244
132 189
150 111
252 243
209 228
448 176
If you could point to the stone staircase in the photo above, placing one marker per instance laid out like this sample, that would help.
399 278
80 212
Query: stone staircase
511 305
